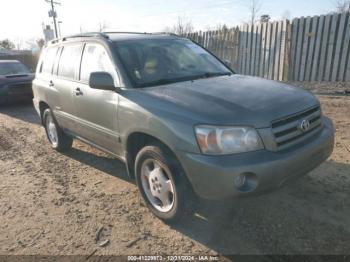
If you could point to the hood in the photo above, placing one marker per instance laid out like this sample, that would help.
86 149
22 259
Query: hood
232 100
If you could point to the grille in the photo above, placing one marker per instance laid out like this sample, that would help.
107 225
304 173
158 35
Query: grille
20 85
287 130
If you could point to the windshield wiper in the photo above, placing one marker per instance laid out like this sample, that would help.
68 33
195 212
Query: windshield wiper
15 75
164 81
214 74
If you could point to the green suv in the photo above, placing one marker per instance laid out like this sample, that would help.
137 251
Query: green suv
183 122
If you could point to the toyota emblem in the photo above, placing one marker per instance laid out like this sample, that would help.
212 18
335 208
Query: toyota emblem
304 125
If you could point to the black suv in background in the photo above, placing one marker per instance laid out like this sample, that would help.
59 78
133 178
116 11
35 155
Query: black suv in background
15 81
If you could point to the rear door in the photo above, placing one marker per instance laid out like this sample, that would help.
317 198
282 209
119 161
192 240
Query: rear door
97 109
66 72
43 89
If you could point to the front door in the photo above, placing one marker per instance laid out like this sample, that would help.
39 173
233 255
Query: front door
97 109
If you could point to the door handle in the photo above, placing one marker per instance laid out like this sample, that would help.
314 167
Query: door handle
77 92
51 84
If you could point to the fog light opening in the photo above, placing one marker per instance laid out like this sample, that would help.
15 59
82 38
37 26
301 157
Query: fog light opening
246 182
240 180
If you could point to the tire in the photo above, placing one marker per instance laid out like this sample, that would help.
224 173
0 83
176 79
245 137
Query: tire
57 138
168 170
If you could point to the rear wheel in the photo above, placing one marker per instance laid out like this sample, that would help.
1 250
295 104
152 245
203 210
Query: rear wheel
57 138
163 184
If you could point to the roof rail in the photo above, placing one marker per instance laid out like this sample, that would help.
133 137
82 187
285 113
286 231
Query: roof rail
105 35
121 32
89 34
141 33
166 33
53 41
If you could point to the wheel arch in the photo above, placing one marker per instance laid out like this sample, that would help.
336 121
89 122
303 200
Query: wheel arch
42 107
135 142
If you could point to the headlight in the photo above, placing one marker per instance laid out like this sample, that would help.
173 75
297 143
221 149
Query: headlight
216 140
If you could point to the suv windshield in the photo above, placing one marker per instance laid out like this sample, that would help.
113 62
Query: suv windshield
152 62
13 68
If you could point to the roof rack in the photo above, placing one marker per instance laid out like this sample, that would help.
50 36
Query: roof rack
121 32
90 34
105 35
166 33
141 33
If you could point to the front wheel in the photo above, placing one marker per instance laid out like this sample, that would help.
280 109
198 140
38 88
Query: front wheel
57 138
163 184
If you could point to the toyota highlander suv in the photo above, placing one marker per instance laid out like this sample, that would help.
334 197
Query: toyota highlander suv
183 122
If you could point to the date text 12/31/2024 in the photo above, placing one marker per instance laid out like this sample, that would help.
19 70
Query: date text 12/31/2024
174 258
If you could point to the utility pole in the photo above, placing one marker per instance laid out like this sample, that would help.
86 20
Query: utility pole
53 14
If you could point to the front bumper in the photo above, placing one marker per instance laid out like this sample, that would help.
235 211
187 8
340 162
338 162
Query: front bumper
10 93
212 177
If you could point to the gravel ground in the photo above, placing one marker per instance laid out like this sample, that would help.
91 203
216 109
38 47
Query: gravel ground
53 203
330 88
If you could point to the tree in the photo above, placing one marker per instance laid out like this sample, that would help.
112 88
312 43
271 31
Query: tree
7 44
254 9
342 6
265 18
221 27
40 42
182 27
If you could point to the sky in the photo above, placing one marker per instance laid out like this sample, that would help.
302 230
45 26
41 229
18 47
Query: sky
22 20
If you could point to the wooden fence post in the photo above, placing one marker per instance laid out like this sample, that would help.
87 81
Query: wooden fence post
285 70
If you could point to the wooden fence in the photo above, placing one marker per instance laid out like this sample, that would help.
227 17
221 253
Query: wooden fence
320 48
306 49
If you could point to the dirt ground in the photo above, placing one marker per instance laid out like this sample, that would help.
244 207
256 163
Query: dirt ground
53 203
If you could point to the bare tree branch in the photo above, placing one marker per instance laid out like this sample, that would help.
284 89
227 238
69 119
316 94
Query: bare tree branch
254 9
342 5
102 26
183 26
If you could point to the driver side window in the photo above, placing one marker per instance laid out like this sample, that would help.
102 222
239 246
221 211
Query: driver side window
95 59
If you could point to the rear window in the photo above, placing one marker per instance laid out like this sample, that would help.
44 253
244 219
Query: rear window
69 61
48 60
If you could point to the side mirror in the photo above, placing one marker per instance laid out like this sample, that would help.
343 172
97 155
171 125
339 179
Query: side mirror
101 80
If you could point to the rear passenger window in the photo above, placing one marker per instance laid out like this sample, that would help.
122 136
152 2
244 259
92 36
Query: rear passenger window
95 59
48 60
69 61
